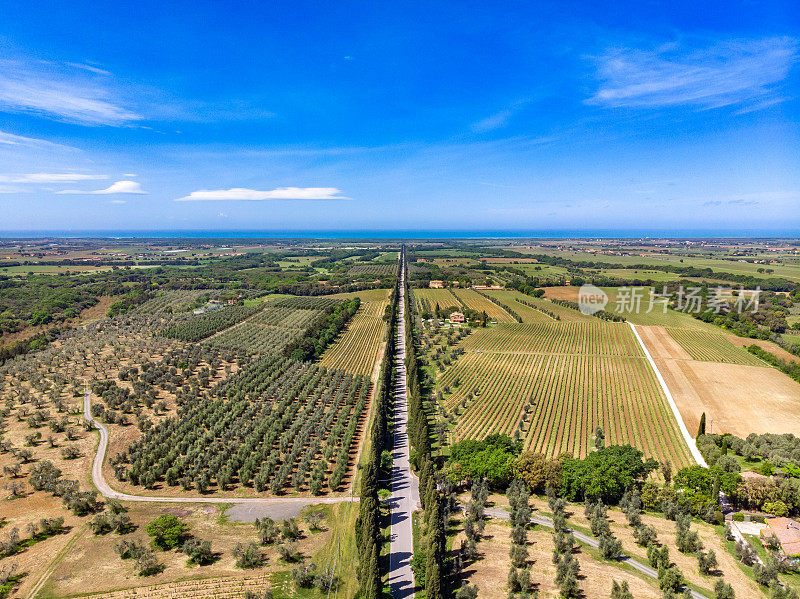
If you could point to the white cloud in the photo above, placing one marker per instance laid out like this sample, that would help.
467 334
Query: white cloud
88 67
9 139
732 72
50 178
117 202
490 123
282 193
118 187
55 91
12 189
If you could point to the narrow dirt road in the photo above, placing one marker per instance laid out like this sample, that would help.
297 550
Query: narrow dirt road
671 401
405 485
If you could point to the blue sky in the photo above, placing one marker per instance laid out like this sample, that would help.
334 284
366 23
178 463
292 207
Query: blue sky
526 116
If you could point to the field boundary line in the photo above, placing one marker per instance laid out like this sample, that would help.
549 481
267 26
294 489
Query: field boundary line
698 457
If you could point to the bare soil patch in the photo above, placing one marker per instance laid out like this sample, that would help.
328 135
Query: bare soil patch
740 399
596 577
93 566
765 345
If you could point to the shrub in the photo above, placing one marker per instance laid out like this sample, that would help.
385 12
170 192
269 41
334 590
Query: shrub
304 575
247 556
147 563
199 552
167 531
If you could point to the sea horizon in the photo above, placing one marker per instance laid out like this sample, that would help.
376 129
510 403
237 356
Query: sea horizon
367 234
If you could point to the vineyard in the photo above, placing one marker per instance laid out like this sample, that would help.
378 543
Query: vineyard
175 301
556 338
357 350
256 339
198 327
386 269
514 299
306 303
712 347
475 301
552 384
274 328
276 424
428 298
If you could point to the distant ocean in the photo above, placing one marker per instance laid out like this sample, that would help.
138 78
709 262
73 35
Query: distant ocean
404 234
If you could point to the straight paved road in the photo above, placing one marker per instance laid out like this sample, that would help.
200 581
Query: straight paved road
405 486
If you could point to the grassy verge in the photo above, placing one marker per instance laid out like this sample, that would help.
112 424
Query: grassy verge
386 532
417 531
340 549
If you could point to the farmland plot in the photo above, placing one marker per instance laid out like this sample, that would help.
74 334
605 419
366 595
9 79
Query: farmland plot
712 347
553 384
386 269
525 311
443 297
358 348
475 301
556 338
274 424
269 331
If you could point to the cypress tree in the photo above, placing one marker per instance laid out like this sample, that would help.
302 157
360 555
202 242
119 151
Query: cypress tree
701 430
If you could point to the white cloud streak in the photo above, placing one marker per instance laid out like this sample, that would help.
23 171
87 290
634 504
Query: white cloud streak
9 139
58 92
281 193
731 72
118 187
50 178
495 121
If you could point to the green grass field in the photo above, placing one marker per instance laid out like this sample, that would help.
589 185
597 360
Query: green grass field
790 271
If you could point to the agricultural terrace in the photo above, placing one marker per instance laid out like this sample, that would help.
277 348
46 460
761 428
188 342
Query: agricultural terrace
712 347
554 384
475 301
359 347
274 425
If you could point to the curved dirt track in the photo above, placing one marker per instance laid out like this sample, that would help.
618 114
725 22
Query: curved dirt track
285 504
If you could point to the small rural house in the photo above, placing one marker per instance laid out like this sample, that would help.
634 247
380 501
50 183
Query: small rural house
436 284
457 317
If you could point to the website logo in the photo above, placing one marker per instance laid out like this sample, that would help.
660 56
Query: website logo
591 299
